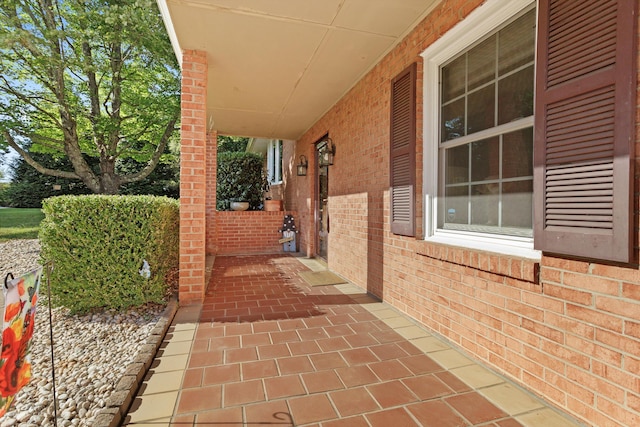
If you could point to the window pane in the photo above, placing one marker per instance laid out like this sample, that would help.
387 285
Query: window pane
517 204
485 160
270 161
515 96
278 162
456 205
484 204
516 43
488 182
482 63
457 161
453 79
481 114
517 153
452 120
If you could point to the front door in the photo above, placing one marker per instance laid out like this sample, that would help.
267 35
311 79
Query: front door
322 207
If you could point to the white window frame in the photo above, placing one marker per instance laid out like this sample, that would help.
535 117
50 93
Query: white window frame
486 19
274 161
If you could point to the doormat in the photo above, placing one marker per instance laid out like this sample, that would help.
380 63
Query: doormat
321 278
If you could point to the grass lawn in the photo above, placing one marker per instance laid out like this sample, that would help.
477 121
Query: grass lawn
19 223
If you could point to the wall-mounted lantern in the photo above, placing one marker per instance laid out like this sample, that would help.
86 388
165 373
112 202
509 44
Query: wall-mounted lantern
326 153
302 166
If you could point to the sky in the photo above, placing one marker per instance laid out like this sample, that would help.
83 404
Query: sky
7 158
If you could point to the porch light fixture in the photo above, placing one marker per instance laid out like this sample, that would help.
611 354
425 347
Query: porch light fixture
302 166
326 154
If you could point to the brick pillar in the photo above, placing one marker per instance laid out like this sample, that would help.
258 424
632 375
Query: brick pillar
212 165
193 154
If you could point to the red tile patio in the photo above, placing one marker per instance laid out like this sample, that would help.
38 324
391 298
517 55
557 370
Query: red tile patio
268 349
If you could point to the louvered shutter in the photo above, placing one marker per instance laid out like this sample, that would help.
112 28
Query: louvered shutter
584 128
403 152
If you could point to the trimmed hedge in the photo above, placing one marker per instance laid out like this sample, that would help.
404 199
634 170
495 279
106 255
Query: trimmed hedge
240 178
98 245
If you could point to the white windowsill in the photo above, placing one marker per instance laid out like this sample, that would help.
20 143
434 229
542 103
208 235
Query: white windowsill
516 247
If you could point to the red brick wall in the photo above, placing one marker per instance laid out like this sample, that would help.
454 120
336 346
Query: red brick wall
299 191
212 164
193 152
567 330
248 232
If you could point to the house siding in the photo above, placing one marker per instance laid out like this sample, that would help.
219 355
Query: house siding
566 329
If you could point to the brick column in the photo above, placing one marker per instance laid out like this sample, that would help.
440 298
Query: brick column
193 154
212 165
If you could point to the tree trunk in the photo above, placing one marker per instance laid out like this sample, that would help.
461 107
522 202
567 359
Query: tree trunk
109 180
109 184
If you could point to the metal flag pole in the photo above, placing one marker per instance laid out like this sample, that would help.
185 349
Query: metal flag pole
49 265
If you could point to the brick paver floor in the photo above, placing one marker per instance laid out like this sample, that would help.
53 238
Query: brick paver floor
265 348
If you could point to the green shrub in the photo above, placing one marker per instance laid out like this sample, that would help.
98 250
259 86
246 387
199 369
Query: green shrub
29 187
31 195
240 178
98 244
3 197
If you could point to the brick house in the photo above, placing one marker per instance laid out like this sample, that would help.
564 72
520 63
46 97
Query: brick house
483 179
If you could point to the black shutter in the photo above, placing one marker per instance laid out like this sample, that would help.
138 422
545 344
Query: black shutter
403 152
585 128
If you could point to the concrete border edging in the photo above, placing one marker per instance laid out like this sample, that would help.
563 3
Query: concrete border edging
121 399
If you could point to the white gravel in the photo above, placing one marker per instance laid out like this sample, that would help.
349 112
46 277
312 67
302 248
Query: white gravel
91 352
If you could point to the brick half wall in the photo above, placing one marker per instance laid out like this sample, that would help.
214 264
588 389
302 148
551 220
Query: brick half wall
248 232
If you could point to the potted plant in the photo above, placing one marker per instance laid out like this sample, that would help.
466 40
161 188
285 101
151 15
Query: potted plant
270 204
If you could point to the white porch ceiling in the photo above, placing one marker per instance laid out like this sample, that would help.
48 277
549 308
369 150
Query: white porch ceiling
276 66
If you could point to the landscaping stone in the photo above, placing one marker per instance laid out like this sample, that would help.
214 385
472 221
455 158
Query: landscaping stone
97 356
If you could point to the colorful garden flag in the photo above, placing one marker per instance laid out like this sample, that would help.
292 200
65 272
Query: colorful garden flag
20 297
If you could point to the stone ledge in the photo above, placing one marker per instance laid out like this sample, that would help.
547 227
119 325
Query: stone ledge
137 370
120 400
523 270
108 417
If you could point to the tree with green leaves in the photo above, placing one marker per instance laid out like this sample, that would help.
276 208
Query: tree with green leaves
227 144
88 79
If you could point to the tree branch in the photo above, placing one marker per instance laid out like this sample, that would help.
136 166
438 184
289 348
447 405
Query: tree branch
116 100
94 95
9 89
168 131
47 142
20 26
124 146
26 45
69 124
37 166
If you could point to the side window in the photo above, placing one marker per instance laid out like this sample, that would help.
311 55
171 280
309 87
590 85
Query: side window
485 148
274 162
478 89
